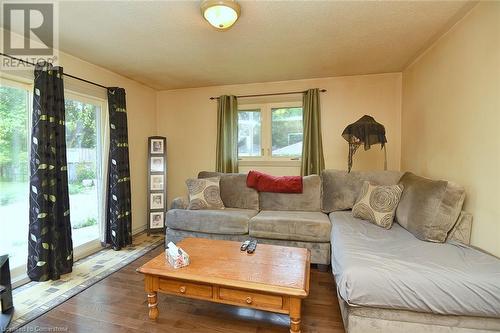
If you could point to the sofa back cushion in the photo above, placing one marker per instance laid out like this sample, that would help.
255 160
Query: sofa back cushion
462 230
429 208
341 189
234 191
309 200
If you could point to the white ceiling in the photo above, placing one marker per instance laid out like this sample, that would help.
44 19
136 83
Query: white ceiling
168 45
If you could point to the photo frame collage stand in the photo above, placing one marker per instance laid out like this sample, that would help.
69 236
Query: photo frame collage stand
157 183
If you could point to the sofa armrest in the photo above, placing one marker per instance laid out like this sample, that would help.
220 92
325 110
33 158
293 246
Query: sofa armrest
180 203
462 230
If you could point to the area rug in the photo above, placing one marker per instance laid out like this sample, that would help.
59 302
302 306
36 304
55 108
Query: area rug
35 298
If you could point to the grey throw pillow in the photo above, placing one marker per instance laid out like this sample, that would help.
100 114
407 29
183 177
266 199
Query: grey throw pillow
378 204
204 193
429 208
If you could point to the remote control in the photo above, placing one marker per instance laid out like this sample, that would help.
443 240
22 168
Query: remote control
252 246
244 245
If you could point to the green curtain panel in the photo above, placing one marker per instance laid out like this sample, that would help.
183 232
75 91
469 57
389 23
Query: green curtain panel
312 148
227 134
50 248
119 207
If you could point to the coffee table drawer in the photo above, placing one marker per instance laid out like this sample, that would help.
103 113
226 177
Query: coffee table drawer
186 288
251 299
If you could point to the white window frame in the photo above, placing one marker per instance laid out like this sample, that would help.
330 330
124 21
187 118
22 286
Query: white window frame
266 158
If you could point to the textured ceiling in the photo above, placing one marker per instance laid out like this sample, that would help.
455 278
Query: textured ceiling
168 45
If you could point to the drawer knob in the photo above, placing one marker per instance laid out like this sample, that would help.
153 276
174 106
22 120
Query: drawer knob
182 289
249 300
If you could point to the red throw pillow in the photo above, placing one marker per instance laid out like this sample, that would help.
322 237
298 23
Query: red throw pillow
253 178
266 183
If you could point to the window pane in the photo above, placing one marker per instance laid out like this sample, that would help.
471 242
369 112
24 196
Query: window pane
83 169
249 132
14 176
287 131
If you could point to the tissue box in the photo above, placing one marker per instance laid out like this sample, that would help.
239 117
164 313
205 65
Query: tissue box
176 256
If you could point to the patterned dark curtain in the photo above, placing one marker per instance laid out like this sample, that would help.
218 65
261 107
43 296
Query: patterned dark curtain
50 248
119 210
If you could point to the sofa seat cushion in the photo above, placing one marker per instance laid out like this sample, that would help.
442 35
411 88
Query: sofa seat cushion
392 269
230 221
291 225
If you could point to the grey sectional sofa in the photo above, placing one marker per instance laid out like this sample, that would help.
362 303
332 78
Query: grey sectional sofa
387 280
272 218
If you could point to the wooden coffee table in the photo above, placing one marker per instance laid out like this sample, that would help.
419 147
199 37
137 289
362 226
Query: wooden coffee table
274 278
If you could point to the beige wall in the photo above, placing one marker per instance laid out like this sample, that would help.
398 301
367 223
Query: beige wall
141 112
451 116
141 108
188 119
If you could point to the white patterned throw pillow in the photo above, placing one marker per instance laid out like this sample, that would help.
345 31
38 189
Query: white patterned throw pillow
378 204
204 193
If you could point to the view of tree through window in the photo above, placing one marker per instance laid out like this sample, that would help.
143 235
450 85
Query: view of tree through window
14 175
287 131
82 130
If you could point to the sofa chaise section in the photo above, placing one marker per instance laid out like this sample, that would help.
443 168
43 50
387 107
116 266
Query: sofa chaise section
389 281
392 269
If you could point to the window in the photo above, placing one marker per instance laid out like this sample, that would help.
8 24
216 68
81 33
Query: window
84 155
270 132
14 174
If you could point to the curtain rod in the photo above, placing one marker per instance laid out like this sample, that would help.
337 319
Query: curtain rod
65 74
272 94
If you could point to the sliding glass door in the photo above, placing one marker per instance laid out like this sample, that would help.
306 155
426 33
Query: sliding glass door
86 154
84 130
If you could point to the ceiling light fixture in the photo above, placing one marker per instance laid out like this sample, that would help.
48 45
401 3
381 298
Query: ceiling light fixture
220 13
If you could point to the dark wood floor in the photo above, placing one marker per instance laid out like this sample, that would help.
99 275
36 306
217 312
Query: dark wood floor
118 304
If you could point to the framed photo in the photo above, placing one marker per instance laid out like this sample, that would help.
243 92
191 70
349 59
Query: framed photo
157 164
157 146
157 201
156 220
157 182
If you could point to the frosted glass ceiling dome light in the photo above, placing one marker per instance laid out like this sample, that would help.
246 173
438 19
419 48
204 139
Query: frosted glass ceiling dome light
220 13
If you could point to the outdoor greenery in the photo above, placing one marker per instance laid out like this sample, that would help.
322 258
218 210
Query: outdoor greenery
13 134
85 171
14 115
80 124
90 221
286 127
